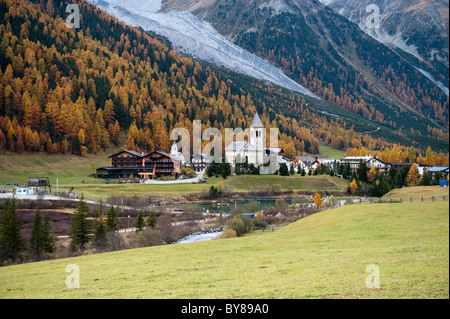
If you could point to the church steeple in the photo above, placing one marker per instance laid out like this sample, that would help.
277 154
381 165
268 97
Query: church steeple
257 121
258 138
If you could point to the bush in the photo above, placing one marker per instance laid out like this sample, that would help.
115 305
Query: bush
259 223
228 233
241 224
149 237
237 225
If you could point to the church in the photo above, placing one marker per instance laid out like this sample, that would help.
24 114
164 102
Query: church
253 150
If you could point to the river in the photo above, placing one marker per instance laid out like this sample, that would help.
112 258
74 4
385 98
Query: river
199 237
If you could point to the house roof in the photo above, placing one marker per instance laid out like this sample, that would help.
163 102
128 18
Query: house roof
257 121
130 152
438 169
305 159
201 155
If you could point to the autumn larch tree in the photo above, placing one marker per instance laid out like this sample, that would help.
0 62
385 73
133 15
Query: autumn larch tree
413 178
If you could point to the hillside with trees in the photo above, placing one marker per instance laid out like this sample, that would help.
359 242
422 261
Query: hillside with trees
82 90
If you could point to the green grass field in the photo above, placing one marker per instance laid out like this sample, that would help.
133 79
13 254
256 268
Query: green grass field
321 256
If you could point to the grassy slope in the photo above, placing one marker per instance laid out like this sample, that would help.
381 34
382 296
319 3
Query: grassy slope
324 255
70 169
329 152
418 192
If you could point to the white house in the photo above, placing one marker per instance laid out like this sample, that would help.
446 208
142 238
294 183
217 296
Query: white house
381 166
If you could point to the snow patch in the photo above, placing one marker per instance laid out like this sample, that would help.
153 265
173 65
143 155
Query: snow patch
279 6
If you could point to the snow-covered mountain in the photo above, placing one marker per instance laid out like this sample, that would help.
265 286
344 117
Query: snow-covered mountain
191 36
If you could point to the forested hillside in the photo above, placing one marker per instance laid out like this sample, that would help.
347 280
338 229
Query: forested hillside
83 90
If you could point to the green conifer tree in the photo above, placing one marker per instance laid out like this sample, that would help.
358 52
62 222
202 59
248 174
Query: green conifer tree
80 226
11 241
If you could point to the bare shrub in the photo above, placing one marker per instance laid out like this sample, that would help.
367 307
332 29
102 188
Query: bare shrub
149 237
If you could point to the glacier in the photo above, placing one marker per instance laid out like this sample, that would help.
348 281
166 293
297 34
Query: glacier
193 37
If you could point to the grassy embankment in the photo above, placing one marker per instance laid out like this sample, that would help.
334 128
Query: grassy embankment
321 256
416 193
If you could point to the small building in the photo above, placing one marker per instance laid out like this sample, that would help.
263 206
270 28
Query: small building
201 162
26 190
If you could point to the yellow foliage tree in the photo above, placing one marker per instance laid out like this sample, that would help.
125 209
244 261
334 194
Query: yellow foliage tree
353 186
318 200
413 178
371 174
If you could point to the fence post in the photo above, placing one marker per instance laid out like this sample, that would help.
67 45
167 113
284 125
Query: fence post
422 198
390 200
401 201
432 198
410 199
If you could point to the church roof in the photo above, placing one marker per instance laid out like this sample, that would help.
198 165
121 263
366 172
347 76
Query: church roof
257 121
240 146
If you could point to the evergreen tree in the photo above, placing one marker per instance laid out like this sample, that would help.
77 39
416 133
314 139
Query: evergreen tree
437 177
303 172
151 220
140 222
426 180
48 240
284 171
362 171
11 242
36 239
398 180
112 220
292 171
100 240
80 226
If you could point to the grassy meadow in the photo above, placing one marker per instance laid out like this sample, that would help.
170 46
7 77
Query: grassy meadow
322 256
417 192
69 169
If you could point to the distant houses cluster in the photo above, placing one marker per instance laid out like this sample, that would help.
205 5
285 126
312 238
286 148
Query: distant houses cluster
129 164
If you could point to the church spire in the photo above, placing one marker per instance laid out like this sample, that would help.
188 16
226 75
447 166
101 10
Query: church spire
257 121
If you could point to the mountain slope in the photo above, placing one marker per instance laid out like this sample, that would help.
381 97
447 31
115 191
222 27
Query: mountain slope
192 36
82 90
419 27
329 55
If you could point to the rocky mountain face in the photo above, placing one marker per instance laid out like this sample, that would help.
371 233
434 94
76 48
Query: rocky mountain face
419 27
